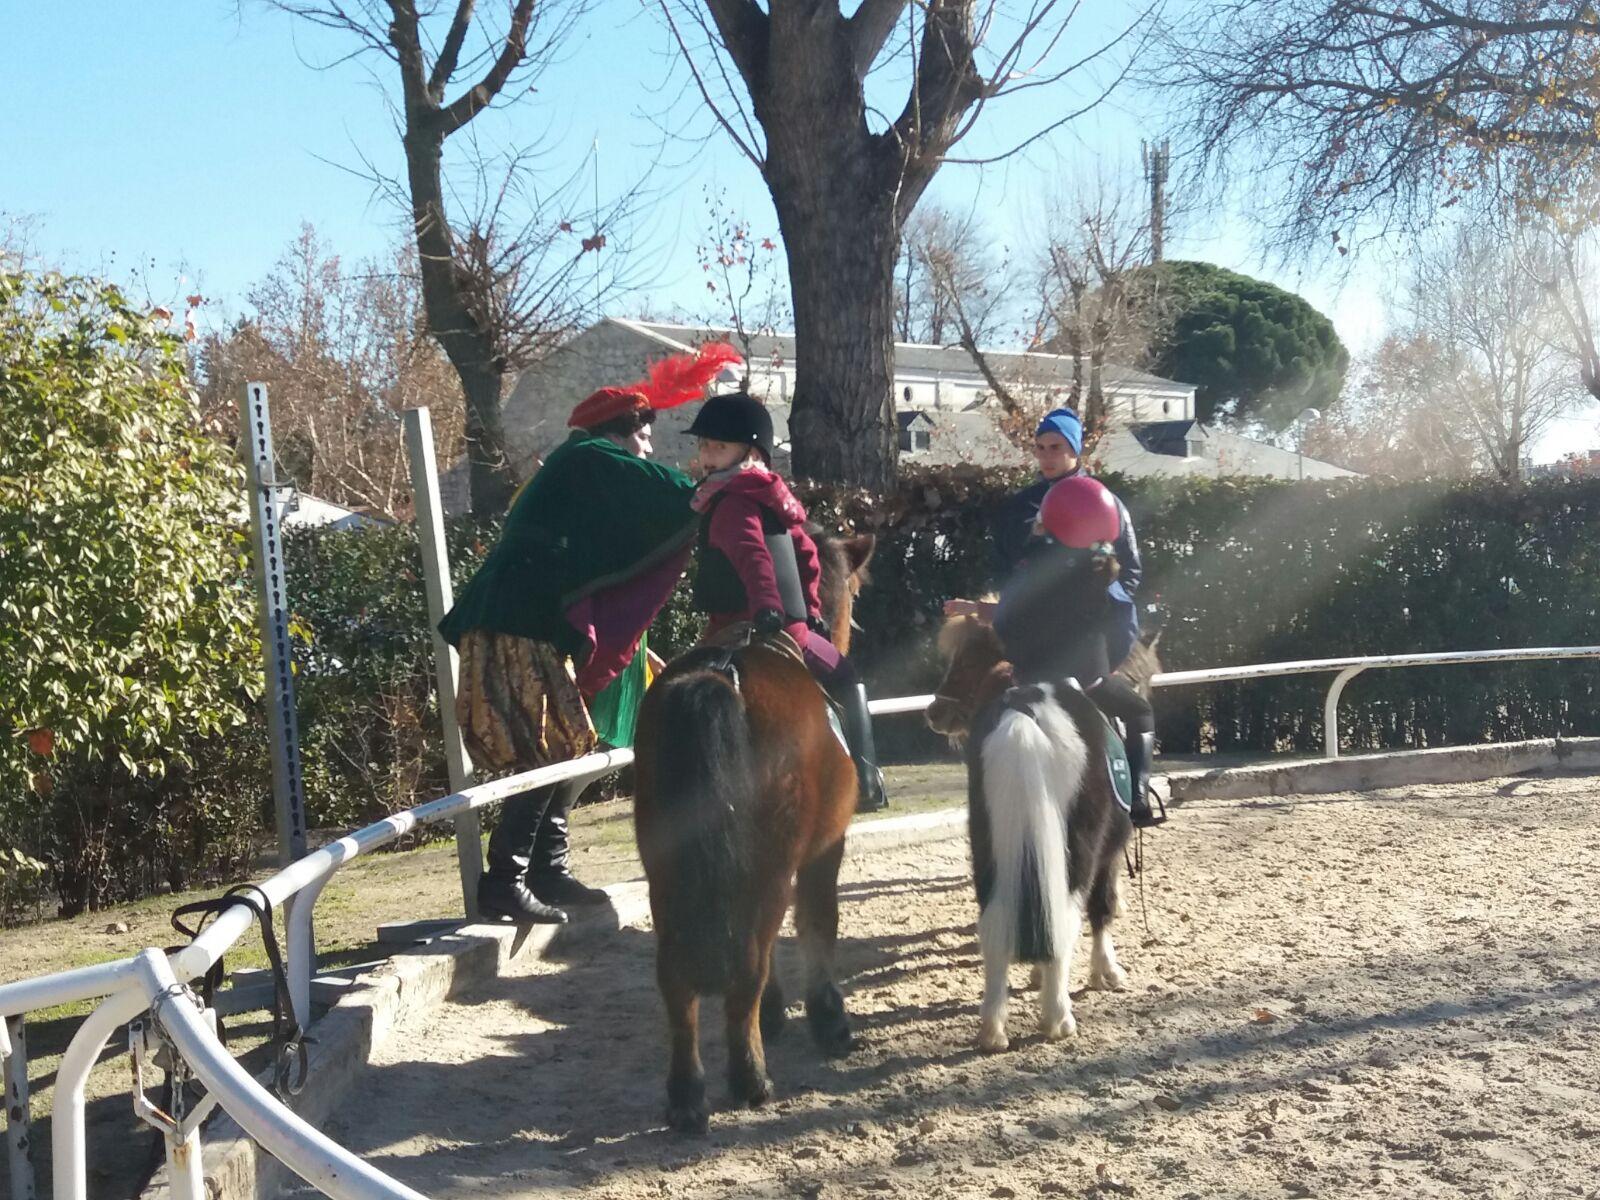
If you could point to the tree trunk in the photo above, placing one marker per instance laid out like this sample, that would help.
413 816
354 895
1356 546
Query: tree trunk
1094 409
466 342
841 248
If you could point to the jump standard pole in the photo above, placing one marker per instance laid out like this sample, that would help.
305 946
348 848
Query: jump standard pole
436 583
266 536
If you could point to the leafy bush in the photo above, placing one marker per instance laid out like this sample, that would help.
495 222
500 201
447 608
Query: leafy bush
126 646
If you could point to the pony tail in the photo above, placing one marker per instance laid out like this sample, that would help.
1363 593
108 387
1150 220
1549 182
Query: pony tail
1034 765
706 779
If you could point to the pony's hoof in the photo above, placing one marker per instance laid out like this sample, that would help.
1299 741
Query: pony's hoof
830 1028
1111 979
753 1093
992 1038
1055 1031
833 1037
689 1118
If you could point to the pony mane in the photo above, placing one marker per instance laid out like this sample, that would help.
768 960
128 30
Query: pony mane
961 633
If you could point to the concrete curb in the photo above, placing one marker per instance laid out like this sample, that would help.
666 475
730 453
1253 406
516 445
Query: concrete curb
342 1040
1368 772
417 979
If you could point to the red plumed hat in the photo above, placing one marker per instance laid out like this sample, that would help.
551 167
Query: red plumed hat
668 383
1080 512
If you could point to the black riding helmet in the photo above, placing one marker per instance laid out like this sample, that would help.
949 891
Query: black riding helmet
737 417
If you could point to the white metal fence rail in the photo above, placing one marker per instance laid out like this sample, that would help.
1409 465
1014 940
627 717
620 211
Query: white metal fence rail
1349 668
152 980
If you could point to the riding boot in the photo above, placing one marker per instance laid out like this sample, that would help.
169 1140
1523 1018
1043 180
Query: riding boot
852 699
550 875
502 892
1141 754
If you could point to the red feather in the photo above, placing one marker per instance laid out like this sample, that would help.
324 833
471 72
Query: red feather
683 377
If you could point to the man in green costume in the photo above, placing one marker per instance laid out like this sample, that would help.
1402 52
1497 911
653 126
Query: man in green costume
592 548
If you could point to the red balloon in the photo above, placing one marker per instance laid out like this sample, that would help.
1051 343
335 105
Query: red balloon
1080 512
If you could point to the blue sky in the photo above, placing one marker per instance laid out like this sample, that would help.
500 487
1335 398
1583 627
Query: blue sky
188 141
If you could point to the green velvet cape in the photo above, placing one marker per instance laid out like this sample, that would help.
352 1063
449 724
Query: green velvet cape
592 516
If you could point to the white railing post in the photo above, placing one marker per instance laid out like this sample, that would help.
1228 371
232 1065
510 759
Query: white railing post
184 1176
19 1126
69 1139
436 582
1330 709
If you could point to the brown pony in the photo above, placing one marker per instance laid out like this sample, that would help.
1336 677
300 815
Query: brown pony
742 797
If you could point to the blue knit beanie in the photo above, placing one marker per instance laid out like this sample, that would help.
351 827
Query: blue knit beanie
1065 422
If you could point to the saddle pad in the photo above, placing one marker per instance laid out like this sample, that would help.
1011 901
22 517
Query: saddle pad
1117 764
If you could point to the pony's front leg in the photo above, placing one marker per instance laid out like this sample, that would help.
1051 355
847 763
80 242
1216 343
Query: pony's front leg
996 984
687 1111
1105 972
816 918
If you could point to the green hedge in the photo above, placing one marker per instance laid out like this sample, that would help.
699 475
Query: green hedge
1249 571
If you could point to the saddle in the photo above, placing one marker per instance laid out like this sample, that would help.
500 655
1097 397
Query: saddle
731 639
737 636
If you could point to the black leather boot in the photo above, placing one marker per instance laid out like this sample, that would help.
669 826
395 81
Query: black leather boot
1141 755
550 875
502 892
858 734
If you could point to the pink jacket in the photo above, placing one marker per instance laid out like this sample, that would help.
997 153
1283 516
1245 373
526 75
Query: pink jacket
735 530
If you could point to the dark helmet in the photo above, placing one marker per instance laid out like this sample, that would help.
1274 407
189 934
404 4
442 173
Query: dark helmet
737 417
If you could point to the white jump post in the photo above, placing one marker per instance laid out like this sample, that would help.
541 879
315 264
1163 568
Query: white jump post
19 1128
436 582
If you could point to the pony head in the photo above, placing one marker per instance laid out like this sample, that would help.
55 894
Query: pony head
975 673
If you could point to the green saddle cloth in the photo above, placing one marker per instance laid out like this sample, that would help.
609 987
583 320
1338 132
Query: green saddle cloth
1117 764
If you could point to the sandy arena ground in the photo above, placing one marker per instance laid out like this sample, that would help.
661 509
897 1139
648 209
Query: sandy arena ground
1389 994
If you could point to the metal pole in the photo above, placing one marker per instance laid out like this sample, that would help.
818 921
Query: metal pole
1330 709
19 1129
436 582
267 538
184 1176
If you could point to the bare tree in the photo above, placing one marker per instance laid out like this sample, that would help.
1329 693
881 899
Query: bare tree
1104 304
943 260
1398 416
844 175
1501 331
496 290
347 350
742 284
16 240
1374 115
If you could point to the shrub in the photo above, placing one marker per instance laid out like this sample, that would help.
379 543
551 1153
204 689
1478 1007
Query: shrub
126 643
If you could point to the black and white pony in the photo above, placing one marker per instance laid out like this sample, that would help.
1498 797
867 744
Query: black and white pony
1047 829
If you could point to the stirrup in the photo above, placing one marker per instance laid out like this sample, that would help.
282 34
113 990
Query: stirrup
1152 817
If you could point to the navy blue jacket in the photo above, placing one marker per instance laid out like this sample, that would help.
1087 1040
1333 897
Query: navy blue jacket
1014 537
1015 542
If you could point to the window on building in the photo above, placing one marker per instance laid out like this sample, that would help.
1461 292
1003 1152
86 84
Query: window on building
913 441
